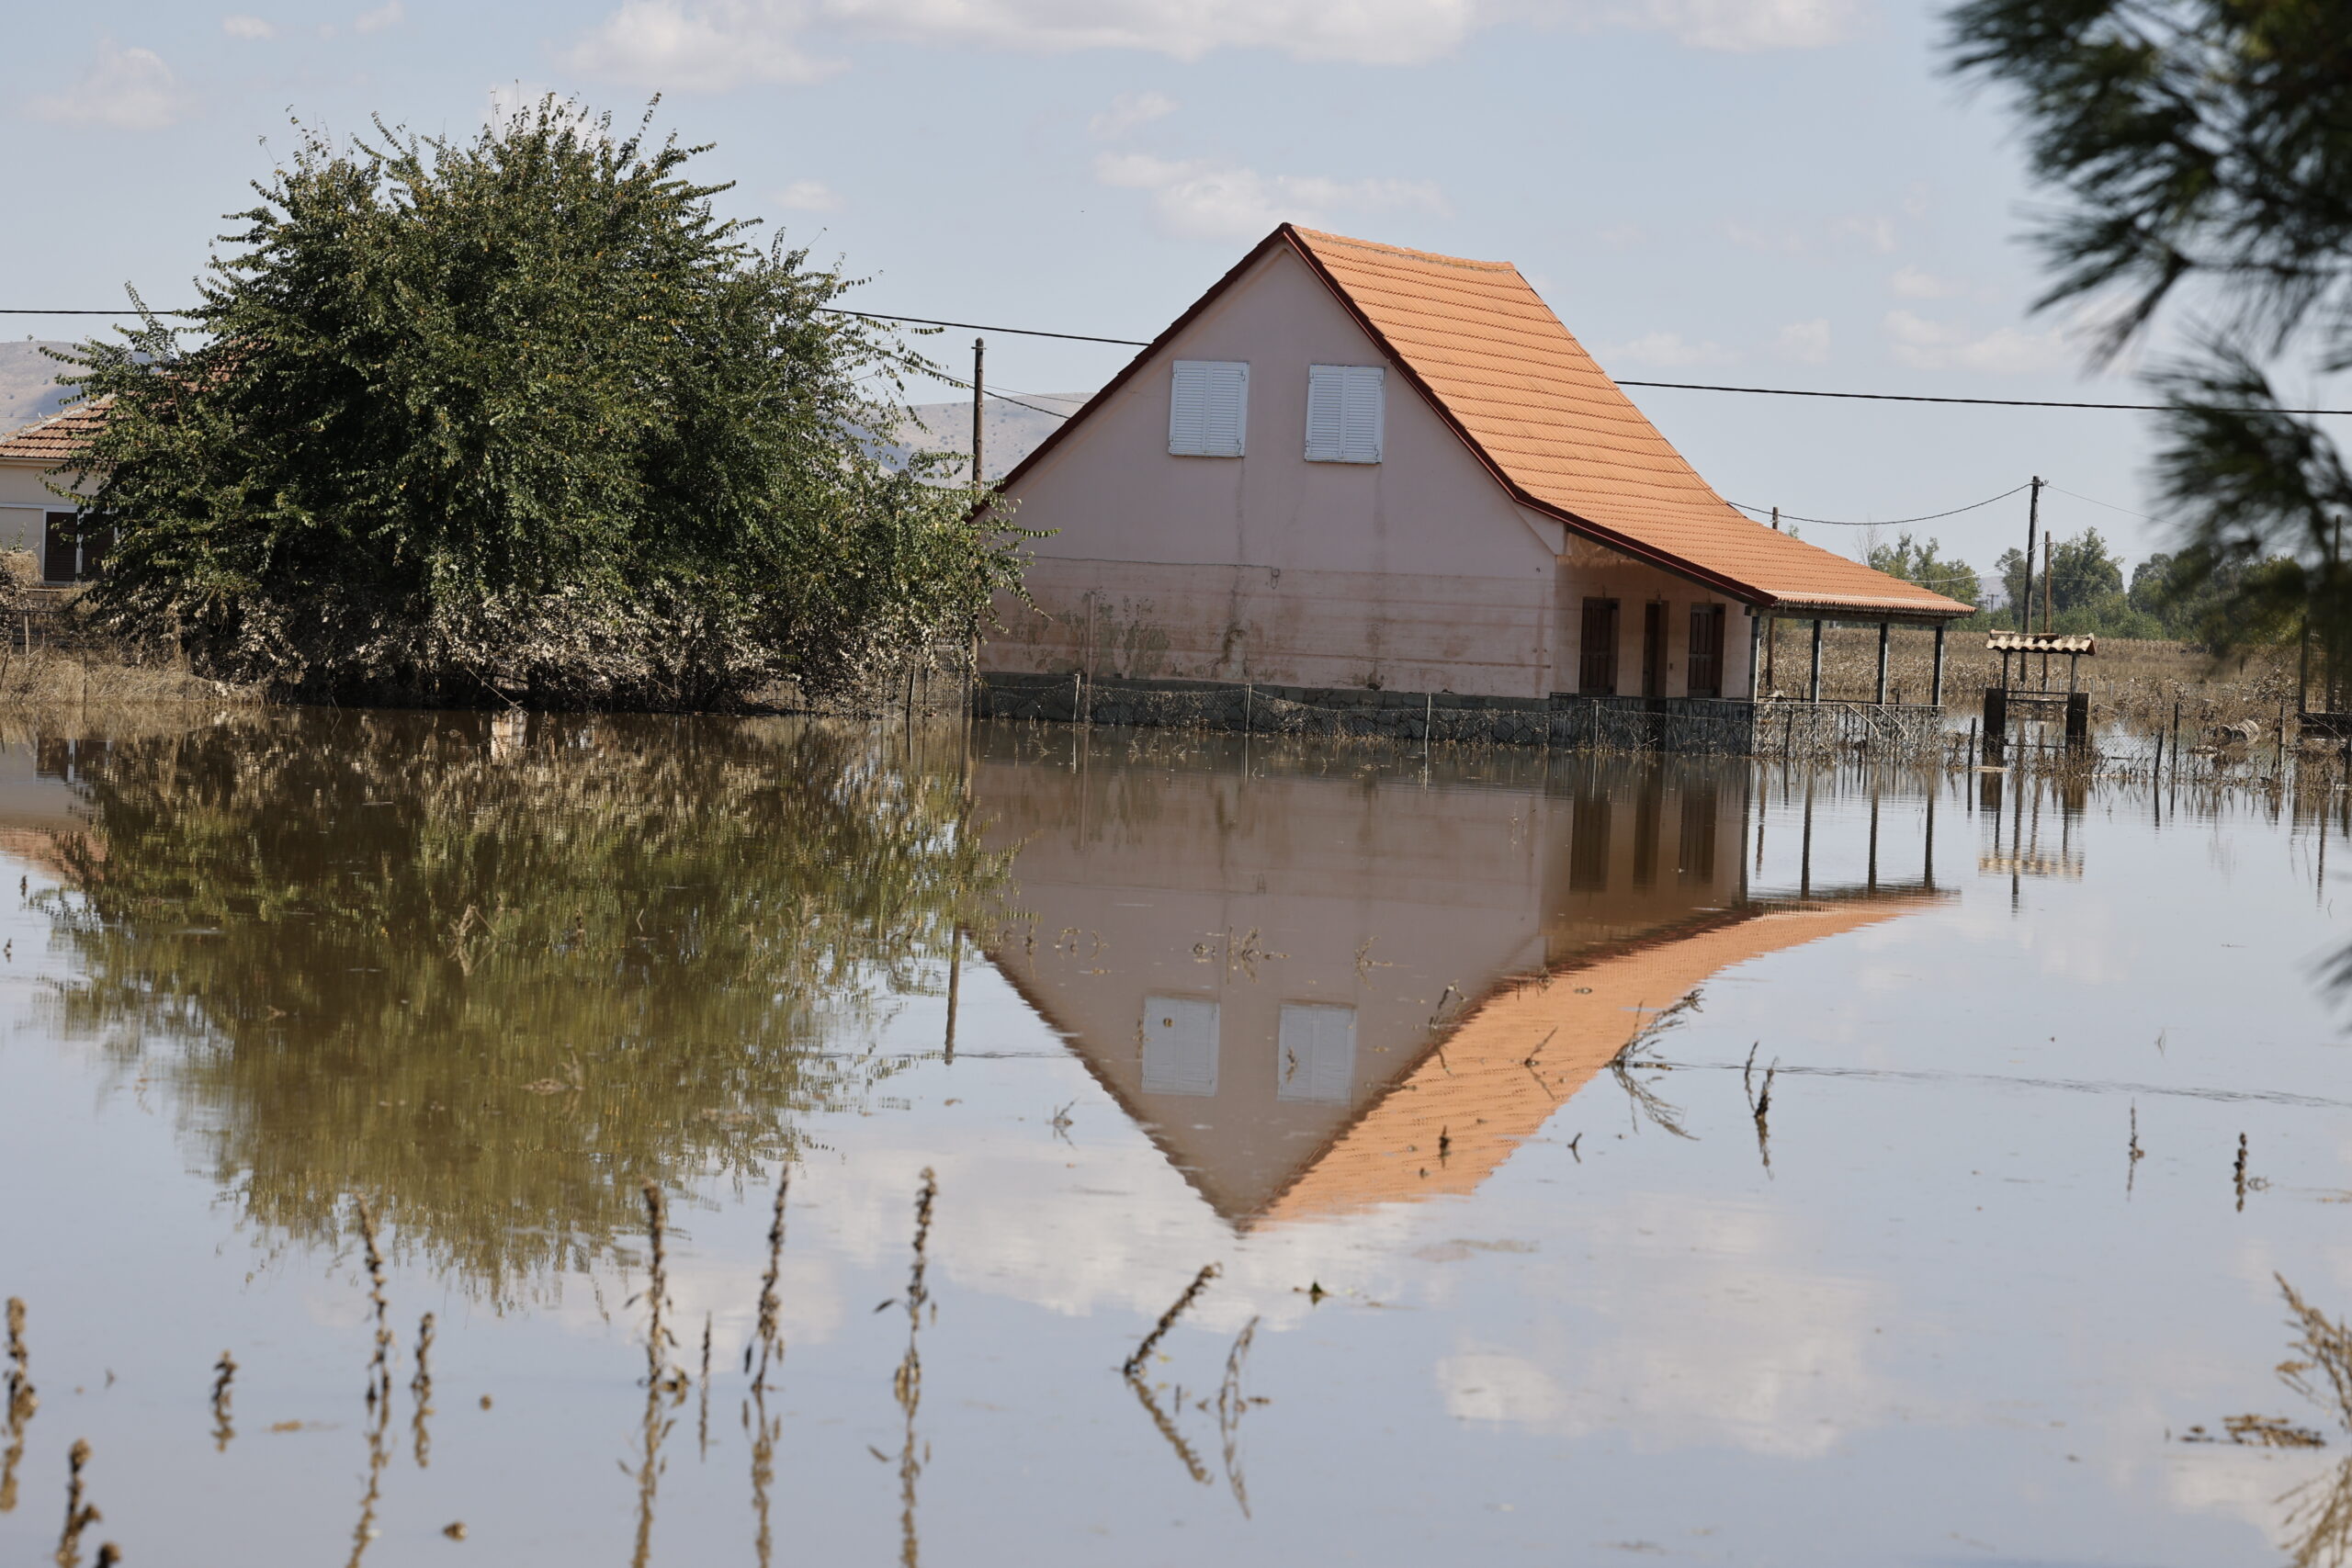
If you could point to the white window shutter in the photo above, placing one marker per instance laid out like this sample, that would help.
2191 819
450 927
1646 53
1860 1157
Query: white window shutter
1208 408
1316 1053
1344 412
1180 1045
1326 394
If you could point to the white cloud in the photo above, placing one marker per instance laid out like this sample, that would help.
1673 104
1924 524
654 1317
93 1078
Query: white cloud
127 89
1936 346
247 27
702 45
1668 351
387 15
808 196
1745 25
1910 283
1196 199
712 45
1127 111
1878 233
1804 342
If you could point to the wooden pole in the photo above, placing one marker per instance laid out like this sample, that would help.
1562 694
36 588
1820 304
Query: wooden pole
1812 686
1884 627
1937 695
1773 634
2023 609
979 398
1755 649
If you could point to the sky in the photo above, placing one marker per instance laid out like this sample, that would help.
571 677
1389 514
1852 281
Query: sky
1778 193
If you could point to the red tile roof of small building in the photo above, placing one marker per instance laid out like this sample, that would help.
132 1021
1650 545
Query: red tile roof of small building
50 442
1555 431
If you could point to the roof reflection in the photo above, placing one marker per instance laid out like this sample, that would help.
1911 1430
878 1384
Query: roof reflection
1321 986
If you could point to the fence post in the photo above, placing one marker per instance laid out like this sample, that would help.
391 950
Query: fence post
1884 627
1937 696
1812 686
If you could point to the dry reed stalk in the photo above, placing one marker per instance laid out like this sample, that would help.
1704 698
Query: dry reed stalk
79 1516
379 1367
2322 1346
21 1404
224 1372
1132 1366
703 1426
1191 1462
770 1343
906 1385
1231 1404
420 1388
658 1338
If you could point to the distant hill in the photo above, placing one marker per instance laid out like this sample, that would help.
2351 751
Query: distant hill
28 389
1010 431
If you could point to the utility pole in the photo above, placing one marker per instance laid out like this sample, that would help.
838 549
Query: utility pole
2024 606
1772 633
979 398
2045 608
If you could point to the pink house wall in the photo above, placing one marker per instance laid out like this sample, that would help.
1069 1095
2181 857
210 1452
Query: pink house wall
1417 573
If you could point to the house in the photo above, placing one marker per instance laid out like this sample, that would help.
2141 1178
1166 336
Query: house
1321 994
1354 466
33 517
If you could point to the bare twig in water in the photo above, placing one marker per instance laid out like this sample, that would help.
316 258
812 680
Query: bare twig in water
224 1372
1192 1465
2238 1174
907 1386
765 1432
771 1343
1638 1054
79 1515
2133 1152
1759 1106
420 1388
379 1448
659 1340
22 1402
1134 1364
1230 1406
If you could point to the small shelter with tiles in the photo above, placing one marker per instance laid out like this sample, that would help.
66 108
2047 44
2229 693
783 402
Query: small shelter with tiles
1363 470
35 518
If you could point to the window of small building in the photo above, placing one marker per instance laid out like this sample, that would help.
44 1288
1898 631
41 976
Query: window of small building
1706 673
1208 408
1596 652
1343 412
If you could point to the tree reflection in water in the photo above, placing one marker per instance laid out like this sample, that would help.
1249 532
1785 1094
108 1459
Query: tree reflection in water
492 975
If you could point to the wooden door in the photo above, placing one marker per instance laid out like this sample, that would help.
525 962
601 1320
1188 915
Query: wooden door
57 548
1706 650
1597 649
1654 649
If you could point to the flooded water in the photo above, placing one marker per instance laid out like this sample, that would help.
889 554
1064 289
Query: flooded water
1595 1159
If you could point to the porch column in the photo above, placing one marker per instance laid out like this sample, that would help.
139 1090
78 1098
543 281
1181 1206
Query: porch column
1812 685
1881 698
1937 696
1754 652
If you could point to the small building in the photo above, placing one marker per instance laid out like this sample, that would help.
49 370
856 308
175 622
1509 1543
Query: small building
1354 467
35 518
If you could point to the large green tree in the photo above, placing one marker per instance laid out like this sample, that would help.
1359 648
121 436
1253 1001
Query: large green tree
520 412
2206 146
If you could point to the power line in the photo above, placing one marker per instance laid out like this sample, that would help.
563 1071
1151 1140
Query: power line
1669 386
1889 523
1979 403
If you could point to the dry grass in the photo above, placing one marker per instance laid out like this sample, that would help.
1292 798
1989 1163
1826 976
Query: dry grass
2131 681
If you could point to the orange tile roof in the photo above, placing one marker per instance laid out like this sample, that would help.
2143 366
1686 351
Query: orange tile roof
50 441
1495 1081
1558 430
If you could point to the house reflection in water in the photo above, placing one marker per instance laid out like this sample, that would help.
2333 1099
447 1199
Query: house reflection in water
1322 983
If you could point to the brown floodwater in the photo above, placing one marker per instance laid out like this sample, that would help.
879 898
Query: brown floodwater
1576 1159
